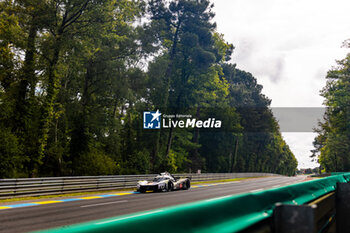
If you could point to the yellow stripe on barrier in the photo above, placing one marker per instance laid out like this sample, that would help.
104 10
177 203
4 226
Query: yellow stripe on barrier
122 193
47 202
4 207
88 198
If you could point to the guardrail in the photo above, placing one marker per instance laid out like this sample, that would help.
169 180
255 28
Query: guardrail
307 207
326 214
60 185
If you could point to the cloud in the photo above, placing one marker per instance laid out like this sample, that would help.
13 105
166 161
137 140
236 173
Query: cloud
274 68
245 49
258 60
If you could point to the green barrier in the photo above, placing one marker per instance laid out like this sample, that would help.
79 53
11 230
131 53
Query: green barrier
337 173
226 214
347 176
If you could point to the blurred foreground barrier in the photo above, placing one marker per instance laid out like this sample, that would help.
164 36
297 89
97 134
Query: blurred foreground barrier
58 185
330 213
251 212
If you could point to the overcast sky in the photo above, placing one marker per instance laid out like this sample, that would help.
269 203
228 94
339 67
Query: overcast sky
288 45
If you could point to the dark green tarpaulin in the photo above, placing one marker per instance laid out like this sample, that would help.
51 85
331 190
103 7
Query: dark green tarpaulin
226 214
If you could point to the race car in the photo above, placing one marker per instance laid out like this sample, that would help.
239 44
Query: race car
164 182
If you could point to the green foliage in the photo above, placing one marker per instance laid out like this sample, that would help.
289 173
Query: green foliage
10 154
95 163
332 145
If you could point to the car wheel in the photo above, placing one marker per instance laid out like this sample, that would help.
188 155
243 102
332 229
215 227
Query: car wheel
187 185
170 186
142 190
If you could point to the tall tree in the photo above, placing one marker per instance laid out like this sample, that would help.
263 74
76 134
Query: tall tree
332 145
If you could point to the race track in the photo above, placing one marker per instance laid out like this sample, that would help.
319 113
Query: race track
49 215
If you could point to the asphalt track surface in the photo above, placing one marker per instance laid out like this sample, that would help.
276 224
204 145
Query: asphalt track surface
40 217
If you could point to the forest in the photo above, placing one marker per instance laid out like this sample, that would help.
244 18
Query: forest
77 75
332 143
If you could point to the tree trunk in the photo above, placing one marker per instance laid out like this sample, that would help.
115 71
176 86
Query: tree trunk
27 77
196 163
167 77
47 109
235 156
23 107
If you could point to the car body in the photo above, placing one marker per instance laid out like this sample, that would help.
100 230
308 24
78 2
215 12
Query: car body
164 182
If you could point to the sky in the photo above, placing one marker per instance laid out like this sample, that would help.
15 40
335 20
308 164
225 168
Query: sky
288 45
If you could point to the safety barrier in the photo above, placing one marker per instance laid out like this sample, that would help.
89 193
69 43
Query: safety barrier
234 213
327 214
59 185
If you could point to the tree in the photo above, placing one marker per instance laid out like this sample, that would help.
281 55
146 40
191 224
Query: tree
77 75
333 141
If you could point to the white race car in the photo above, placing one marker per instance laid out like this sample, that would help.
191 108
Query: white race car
164 182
